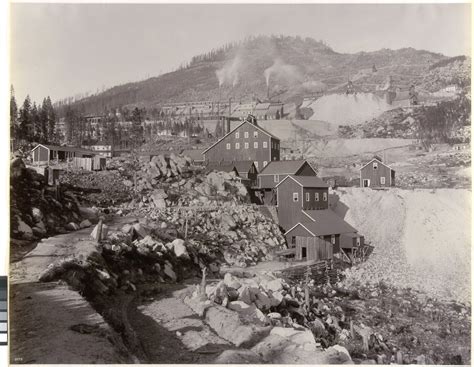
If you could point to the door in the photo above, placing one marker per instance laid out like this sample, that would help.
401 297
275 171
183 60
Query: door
366 183
303 253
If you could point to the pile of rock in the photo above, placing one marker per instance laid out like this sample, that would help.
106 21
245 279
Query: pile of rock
146 172
197 190
262 313
233 234
37 209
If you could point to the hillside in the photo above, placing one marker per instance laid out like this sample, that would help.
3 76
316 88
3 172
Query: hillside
293 67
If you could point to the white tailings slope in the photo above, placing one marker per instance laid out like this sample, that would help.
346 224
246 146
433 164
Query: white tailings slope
350 109
421 238
348 147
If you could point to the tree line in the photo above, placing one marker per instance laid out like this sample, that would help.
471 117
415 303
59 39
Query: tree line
32 122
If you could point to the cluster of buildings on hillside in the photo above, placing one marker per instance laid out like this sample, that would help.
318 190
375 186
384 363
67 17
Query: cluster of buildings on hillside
289 190
292 189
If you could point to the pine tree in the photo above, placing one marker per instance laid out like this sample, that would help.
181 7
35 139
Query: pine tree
43 117
51 120
25 124
13 115
35 123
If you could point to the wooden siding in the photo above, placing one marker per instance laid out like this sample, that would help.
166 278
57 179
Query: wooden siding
305 170
314 204
219 152
297 231
316 248
40 154
374 175
289 212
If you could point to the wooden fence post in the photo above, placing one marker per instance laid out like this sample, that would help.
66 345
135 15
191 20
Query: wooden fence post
99 230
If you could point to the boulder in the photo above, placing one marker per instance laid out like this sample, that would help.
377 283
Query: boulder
169 271
85 223
178 248
37 214
71 226
242 307
141 230
274 285
238 357
229 326
231 281
24 229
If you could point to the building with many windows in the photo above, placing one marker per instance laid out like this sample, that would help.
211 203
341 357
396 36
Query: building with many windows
246 142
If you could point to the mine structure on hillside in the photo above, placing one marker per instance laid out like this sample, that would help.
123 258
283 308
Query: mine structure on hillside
376 174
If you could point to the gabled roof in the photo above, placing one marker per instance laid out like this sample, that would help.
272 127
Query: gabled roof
232 131
283 167
225 167
65 148
378 160
325 222
243 166
305 181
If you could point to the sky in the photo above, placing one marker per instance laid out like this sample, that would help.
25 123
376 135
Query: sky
64 49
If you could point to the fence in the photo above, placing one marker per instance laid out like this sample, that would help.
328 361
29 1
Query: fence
90 164
322 272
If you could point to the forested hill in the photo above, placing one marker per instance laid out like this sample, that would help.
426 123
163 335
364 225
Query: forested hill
293 67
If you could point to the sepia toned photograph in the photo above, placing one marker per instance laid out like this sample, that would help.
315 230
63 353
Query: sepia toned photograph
240 184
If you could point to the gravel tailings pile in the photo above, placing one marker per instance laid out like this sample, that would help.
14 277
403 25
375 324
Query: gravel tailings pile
342 109
421 238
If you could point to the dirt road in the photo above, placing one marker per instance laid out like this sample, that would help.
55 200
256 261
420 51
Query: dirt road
49 322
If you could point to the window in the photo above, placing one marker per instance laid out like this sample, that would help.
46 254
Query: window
237 135
265 144
375 165
246 134
316 196
325 196
295 196
256 164
382 180
237 145
227 145
264 164
333 239
255 145
246 145
293 240
255 134
276 178
307 196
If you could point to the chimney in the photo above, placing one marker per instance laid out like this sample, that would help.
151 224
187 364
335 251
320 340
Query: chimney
227 122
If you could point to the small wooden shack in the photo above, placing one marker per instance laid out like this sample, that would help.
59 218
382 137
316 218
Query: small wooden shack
376 174
313 248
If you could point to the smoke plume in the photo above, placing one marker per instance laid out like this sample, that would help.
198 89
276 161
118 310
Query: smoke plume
229 73
282 72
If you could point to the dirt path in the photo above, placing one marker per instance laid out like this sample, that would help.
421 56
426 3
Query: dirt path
170 332
49 322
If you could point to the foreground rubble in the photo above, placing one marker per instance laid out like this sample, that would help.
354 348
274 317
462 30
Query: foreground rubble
38 210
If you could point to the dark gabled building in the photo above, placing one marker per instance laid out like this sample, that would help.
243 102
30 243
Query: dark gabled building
376 174
297 193
246 142
247 171
317 236
276 171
